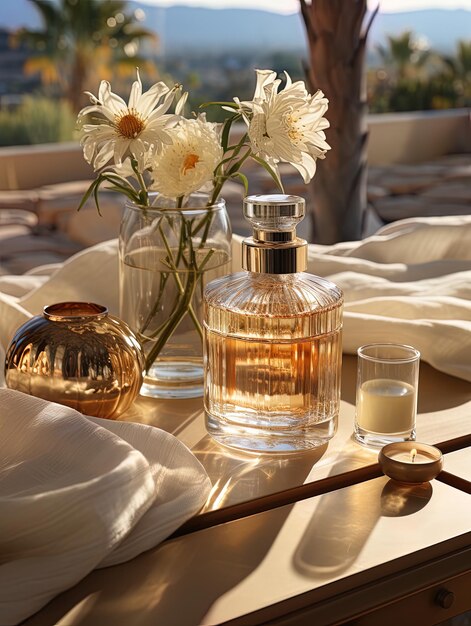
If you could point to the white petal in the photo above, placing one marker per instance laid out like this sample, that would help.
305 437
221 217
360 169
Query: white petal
109 99
150 98
264 78
120 147
102 112
93 99
271 90
99 129
298 88
104 155
311 119
318 140
323 123
156 136
319 95
157 115
286 151
164 107
181 103
88 151
138 150
104 88
257 128
136 92
307 167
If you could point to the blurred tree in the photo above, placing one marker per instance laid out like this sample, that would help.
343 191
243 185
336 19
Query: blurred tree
459 68
79 36
422 81
405 54
336 33
413 94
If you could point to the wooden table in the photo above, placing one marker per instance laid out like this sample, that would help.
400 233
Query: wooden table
320 537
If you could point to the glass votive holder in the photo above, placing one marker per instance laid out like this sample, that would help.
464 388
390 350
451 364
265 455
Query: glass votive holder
386 398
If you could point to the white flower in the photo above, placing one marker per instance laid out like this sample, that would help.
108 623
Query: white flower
287 125
119 129
187 164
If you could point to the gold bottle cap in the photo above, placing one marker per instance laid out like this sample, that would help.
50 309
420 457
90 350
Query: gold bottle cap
274 247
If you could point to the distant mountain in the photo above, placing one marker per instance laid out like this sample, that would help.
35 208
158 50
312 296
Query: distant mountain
188 28
442 27
184 29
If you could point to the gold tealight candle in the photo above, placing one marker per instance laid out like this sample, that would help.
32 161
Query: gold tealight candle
410 461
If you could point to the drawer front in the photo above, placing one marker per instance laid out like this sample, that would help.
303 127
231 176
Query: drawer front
432 605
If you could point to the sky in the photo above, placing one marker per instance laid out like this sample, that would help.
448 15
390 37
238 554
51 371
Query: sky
292 6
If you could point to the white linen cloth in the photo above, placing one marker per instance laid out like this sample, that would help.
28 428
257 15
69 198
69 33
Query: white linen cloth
409 283
78 493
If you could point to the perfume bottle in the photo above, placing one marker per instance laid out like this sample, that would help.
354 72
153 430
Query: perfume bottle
273 340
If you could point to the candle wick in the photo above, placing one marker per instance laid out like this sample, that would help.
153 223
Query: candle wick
413 454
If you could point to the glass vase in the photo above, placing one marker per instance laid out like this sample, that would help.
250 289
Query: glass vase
167 256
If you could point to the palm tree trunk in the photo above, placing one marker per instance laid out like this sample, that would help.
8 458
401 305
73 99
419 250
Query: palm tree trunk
337 37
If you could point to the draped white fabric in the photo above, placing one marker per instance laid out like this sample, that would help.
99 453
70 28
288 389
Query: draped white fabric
409 283
78 493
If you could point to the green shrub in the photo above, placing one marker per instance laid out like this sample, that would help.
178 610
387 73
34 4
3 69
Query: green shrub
37 120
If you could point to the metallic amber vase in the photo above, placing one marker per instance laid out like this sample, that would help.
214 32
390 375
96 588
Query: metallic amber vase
78 355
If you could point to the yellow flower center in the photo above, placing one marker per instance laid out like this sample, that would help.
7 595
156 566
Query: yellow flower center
294 133
190 161
129 124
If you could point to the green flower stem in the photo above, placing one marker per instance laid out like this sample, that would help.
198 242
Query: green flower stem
150 316
173 321
168 328
181 247
179 313
194 272
205 261
176 276
201 224
206 222
209 219
163 282
192 264
173 265
236 167
171 261
143 194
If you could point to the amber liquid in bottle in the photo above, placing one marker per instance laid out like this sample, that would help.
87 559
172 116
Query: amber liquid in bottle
272 338
272 381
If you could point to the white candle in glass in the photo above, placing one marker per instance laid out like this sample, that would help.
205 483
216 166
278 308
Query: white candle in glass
386 406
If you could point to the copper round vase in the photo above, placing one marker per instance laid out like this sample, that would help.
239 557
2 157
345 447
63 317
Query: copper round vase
78 355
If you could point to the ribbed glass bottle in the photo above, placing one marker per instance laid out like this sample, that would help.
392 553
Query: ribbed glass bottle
273 350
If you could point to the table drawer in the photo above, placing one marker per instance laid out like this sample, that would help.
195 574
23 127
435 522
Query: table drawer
428 606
